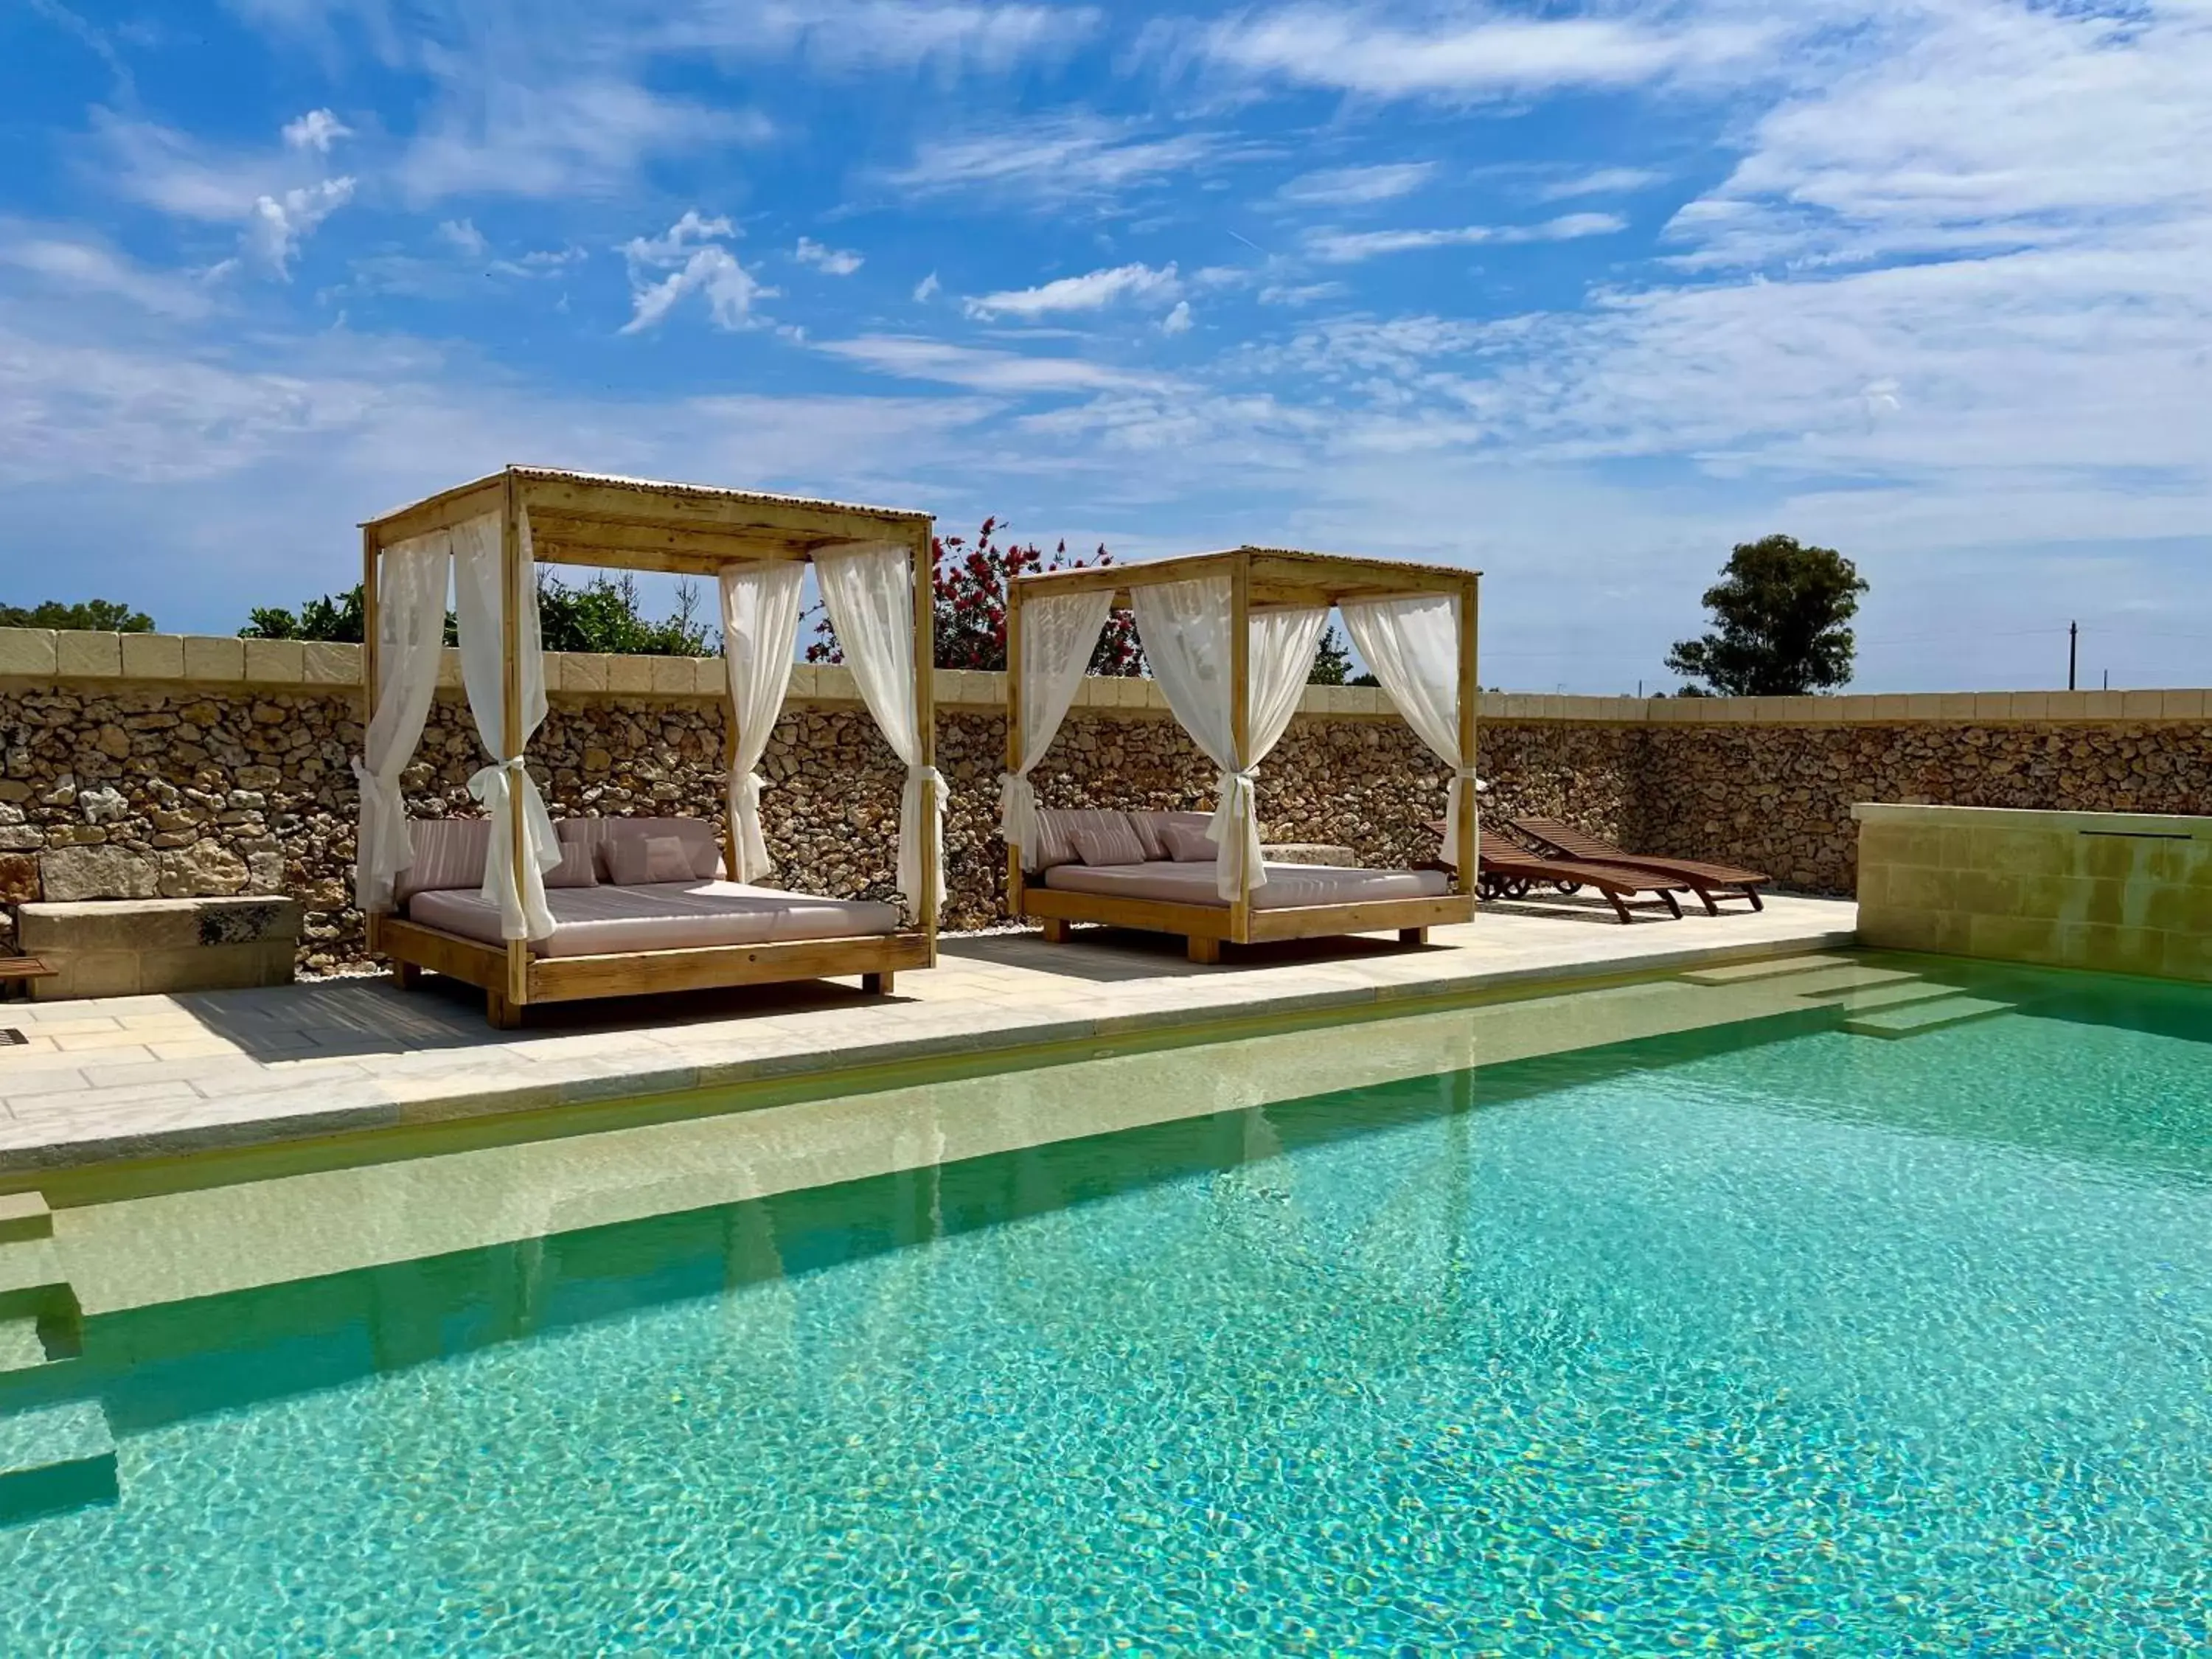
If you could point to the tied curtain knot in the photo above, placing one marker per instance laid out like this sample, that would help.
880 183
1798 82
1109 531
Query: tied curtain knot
1018 824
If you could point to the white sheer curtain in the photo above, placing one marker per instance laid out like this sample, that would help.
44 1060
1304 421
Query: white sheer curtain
505 788
1185 628
868 589
1058 637
760 635
412 577
1413 646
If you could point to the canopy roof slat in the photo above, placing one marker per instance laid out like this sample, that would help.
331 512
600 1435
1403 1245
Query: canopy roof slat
1279 577
629 524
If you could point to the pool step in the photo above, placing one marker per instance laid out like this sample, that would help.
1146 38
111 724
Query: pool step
24 1216
1912 1018
32 1282
55 1457
1866 999
1735 973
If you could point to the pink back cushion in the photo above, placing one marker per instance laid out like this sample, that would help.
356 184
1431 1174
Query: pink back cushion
647 860
697 835
1152 828
1105 842
577 868
1058 846
1188 844
449 853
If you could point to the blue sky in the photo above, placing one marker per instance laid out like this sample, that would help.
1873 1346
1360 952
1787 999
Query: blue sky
1578 294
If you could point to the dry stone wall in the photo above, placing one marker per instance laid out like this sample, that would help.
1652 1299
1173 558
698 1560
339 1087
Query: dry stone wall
154 766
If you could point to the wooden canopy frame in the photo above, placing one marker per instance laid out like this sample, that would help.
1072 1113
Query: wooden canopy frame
1260 579
628 524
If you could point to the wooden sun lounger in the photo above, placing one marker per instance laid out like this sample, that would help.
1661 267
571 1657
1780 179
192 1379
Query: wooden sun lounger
1507 872
1709 882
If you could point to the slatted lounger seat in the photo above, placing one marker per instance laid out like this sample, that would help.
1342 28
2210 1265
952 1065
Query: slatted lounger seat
609 921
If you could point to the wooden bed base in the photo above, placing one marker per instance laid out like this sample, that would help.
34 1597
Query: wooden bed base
511 979
1207 927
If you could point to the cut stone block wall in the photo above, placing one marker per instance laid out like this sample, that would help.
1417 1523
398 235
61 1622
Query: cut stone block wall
2126 893
149 765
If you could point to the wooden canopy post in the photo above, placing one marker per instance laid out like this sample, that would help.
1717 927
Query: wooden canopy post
1470 699
1014 741
369 560
923 572
1240 716
510 642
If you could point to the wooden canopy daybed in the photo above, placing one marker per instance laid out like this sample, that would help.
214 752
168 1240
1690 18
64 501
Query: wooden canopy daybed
671 911
1231 638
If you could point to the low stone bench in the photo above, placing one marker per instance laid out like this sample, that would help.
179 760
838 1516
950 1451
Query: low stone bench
1309 852
127 947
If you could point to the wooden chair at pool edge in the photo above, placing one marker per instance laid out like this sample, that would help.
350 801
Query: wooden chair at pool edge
1258 577
609 523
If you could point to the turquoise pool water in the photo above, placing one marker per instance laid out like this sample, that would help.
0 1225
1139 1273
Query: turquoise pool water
1817 1345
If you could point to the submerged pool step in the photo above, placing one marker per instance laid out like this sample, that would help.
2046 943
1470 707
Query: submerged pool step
1735 973
55 1457
1912 1018
1867 999
32 1282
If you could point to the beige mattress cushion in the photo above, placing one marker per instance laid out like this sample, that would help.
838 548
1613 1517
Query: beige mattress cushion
1288 887
609 920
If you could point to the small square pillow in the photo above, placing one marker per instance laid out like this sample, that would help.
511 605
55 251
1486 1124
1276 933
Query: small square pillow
1188 844
577 868
1107 839
644 860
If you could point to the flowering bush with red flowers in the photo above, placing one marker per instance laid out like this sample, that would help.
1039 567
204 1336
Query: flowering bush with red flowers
969 581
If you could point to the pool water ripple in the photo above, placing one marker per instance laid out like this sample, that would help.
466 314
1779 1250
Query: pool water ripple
1818 1345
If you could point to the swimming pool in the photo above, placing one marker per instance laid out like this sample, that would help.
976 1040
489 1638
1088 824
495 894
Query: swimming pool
1769 1339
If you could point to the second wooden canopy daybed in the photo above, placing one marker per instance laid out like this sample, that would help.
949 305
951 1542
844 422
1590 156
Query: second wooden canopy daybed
636 906
1231 638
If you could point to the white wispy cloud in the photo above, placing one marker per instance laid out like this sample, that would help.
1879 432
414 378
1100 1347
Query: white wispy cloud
577 131
1599 181
915 358
1092 291
928 288
1052 160
272 196
1348 247
317 130
463 235
1448 57
1349 186
1178 321
835 261
853 35
687 258
74 267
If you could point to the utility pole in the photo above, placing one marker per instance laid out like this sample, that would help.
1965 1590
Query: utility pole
2073 644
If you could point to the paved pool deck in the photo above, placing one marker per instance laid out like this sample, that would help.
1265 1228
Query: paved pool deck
146 1077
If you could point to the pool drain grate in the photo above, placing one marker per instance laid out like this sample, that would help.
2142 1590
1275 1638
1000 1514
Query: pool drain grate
12 1038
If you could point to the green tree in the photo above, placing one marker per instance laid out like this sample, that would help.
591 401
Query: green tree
90 615
600 615
335 616
603 615
1782 613
1331 662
